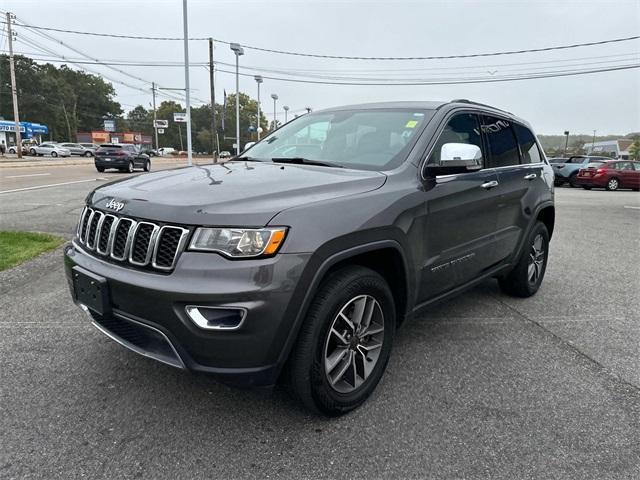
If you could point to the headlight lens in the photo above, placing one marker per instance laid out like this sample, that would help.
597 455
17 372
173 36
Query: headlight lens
239 242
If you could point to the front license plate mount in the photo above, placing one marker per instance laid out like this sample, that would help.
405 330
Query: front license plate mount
91 290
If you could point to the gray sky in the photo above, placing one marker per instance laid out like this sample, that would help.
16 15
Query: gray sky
607 102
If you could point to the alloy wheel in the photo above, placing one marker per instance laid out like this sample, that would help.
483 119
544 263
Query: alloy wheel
613 184
536 259
354 343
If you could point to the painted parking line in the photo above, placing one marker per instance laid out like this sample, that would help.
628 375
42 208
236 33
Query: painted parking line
631 206
51 185
28 175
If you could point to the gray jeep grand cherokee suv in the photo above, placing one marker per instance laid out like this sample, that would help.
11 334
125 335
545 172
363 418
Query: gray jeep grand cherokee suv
299 259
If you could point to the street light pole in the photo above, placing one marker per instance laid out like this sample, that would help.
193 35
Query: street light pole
155 128
238 50
258 79
275 122
593 142
308 109
286 110
186 79
566 142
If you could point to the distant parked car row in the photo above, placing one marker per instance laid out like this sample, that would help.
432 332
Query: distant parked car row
566 169
588 171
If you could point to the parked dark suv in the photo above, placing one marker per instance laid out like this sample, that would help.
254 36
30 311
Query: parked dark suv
125 157
299 259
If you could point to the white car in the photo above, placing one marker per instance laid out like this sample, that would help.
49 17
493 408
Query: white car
49 149
164 151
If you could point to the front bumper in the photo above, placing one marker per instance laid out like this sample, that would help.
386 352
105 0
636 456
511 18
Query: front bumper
144 302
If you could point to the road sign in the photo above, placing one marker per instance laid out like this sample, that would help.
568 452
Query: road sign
161 130
161 123
180 117
110 125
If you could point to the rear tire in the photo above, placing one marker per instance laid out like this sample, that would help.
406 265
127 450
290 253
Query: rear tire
147 166
613 184
130 167
525 278
572 180
100 169
88 154
54 154
586 188
330 369
32 152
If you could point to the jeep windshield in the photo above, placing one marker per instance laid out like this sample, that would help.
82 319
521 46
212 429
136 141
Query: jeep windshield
361 139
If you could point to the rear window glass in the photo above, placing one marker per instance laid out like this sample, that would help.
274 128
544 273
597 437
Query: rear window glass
528 145
110 146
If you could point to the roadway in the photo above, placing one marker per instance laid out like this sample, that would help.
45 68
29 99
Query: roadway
483 386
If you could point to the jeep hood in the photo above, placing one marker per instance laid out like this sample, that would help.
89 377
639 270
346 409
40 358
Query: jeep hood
231 194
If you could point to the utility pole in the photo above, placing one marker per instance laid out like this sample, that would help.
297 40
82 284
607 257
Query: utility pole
155 129
14 90
566 142
187 88
593 142
214 152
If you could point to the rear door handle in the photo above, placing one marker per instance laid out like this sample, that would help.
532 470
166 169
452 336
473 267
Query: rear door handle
530 176
488 185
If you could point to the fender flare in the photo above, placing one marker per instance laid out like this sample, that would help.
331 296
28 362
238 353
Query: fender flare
320 273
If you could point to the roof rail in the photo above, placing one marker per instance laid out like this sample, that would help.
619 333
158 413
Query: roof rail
464 100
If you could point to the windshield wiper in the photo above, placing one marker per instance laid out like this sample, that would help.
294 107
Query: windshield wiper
247 159
304 161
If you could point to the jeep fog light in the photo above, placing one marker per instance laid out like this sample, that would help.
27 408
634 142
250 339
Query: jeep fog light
216 318
238 242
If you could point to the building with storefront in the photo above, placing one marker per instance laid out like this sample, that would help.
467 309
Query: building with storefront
28 131
103 136
610 148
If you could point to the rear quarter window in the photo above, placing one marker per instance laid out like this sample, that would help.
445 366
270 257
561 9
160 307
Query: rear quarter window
528 145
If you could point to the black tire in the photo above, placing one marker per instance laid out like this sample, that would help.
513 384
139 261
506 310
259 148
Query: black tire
32 152
558 183
572 180
147 166
88 154
636 189
130 167
586 188
613 184
305 373
518 282
100 169
54 154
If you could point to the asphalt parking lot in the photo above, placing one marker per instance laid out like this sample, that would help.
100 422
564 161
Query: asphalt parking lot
484 386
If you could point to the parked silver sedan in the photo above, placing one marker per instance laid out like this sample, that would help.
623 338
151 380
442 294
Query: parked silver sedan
77 149
52 149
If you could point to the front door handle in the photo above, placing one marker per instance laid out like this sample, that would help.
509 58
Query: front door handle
488 185
530 176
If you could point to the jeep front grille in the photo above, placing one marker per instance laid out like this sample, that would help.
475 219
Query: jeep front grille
123 239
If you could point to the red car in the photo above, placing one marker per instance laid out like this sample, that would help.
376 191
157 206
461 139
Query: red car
612 175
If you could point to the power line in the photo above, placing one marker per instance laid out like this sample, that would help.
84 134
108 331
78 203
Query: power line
343 57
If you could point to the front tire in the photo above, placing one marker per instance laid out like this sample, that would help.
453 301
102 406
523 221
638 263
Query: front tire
88 154
525 278
345 342
32 152
613 184
54 154
130 167
147 166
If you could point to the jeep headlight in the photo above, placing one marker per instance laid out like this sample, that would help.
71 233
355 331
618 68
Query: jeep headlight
238 242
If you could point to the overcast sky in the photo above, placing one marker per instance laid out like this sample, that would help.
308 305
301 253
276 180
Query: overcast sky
607 102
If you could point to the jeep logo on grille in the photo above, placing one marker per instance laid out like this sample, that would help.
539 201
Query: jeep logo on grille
113 205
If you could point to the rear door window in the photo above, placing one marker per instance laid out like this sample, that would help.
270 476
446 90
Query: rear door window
528 145
503 148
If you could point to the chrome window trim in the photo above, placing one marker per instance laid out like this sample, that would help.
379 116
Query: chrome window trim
181 242
127 242
150 247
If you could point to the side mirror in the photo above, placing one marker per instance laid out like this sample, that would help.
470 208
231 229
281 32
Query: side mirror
456 158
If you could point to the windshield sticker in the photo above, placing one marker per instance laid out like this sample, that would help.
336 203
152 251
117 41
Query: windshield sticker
411 124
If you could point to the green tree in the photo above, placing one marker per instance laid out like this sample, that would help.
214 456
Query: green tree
140 120
66 100
634 150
